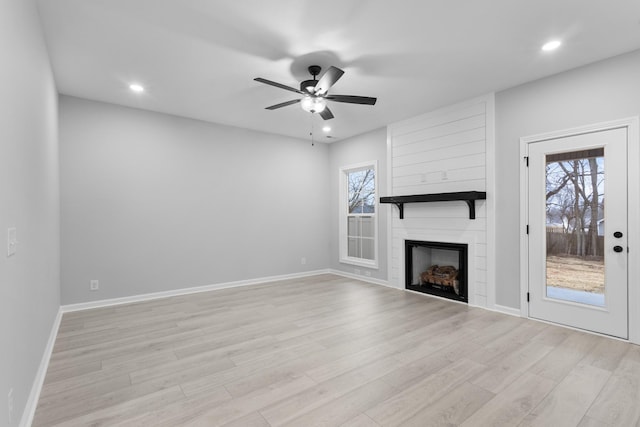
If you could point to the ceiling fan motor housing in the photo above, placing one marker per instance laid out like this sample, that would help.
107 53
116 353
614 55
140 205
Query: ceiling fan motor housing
308 86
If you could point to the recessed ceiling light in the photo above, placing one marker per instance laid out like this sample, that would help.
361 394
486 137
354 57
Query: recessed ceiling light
552 45
136 87
326 129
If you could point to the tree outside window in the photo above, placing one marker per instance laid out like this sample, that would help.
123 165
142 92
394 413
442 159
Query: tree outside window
361 210
362 191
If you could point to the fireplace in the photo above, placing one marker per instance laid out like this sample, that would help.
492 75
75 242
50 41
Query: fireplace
437 268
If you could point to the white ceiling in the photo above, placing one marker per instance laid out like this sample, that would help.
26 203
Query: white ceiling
198 58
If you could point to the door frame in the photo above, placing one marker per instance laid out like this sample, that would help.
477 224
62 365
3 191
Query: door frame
633 195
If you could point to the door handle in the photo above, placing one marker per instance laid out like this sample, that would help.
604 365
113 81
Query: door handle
617 234
617 249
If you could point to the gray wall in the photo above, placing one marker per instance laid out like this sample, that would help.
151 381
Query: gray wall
602 91
29 201
358 149
152 202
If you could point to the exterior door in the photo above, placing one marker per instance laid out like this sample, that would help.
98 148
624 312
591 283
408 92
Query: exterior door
577 216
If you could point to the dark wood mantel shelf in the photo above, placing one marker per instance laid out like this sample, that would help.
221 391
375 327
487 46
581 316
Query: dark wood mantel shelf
469 197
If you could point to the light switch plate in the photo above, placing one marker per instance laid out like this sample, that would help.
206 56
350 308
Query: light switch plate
12 241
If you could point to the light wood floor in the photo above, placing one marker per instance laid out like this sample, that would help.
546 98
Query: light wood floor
334 352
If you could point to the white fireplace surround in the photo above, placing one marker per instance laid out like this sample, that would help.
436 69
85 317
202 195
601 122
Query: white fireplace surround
448 150
467 239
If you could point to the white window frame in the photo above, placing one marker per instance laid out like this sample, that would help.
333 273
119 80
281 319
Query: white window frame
343 214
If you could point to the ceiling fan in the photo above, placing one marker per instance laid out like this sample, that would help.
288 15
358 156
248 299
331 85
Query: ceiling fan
316 92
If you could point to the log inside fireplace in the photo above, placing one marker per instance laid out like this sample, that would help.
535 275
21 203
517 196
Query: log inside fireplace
437 268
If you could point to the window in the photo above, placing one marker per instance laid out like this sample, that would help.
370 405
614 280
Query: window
358 219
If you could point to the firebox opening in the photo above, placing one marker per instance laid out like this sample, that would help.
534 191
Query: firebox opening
437 268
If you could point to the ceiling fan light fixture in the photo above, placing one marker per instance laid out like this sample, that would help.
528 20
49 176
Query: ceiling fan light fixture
313 104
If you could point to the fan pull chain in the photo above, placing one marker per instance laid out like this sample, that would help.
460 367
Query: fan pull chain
312 131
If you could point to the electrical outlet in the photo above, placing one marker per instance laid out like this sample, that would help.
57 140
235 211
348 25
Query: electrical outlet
367 273
10 405
357 271
94 285
12 241
303 261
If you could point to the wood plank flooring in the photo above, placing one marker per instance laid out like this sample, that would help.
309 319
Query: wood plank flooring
330 351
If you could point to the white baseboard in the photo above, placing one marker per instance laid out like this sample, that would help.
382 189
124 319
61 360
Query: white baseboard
506 310
36 388
185 291
362 278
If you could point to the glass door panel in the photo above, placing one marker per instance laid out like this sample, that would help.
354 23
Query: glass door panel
575 226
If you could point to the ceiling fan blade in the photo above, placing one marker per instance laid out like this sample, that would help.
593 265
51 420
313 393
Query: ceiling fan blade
281 86
350 99
328 79
282 104
326 114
